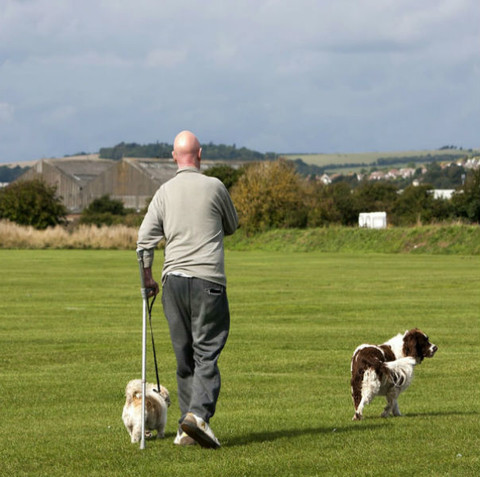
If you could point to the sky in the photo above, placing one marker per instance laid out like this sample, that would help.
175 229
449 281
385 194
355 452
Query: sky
284 76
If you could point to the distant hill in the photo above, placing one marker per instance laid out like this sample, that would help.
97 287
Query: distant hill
163 150
355 161
9 172
305 163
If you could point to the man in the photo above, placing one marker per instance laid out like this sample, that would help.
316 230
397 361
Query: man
192 212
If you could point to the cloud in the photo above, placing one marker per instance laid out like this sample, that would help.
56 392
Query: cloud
267 74
6 113
59 116
165 58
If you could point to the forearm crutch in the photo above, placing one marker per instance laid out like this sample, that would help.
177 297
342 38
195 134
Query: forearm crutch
144 292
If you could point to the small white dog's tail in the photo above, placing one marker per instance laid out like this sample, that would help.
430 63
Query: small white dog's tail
400 371
133 390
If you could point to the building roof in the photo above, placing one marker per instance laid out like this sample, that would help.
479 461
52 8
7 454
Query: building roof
161 170
81 169
158 170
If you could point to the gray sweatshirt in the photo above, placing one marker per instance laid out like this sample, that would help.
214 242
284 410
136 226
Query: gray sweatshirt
192 212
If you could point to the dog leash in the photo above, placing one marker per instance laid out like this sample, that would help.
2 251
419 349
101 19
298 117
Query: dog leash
150 306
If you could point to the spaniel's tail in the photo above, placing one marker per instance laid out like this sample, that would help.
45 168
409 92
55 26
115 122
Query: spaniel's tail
400 371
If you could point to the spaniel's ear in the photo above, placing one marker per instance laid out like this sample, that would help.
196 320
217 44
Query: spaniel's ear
410 345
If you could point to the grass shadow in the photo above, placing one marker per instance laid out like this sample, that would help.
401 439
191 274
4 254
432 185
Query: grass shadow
441 414
370 423
258 437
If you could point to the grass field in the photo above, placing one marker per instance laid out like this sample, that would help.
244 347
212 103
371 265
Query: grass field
370 157
70 339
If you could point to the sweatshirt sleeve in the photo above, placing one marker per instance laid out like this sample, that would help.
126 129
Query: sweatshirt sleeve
229 217
151 230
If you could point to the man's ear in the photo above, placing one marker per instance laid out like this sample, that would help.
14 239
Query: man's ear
173 155
199 155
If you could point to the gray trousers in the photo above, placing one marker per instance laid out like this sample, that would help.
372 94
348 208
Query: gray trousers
199 321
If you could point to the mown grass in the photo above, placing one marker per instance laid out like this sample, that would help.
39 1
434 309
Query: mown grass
70 339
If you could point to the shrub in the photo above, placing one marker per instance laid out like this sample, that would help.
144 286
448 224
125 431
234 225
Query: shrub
32 203
103 211
105 204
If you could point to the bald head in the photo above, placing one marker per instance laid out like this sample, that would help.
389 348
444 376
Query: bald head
186 150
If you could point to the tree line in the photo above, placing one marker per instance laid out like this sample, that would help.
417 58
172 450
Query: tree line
162 150
9 174
268 195
273 195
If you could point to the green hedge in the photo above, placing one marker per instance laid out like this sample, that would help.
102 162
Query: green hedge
435 239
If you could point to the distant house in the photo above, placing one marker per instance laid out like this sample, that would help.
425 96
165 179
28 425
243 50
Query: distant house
325 179
407 172
472 163
377 175
392 174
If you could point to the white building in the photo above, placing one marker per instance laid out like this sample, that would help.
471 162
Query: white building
373 220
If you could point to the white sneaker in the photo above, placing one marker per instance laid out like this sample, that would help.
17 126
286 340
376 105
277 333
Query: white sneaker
183 439
199 430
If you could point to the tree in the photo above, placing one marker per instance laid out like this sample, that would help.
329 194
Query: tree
9 174
32 203
344 201
418 204
433 175
321 210
228 175
331 204
467 200
413 205
270 195
375 196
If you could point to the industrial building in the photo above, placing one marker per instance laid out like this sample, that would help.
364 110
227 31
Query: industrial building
81 179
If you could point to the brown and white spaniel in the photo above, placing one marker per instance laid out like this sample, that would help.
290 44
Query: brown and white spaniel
387 369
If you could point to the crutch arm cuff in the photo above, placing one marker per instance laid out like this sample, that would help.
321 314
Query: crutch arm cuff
146 256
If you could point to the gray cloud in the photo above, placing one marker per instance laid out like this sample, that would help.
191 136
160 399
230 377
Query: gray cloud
273 75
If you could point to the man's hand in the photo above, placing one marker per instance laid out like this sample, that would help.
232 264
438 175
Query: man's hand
150 284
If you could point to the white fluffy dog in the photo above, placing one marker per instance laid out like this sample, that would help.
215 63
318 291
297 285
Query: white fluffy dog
156 404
